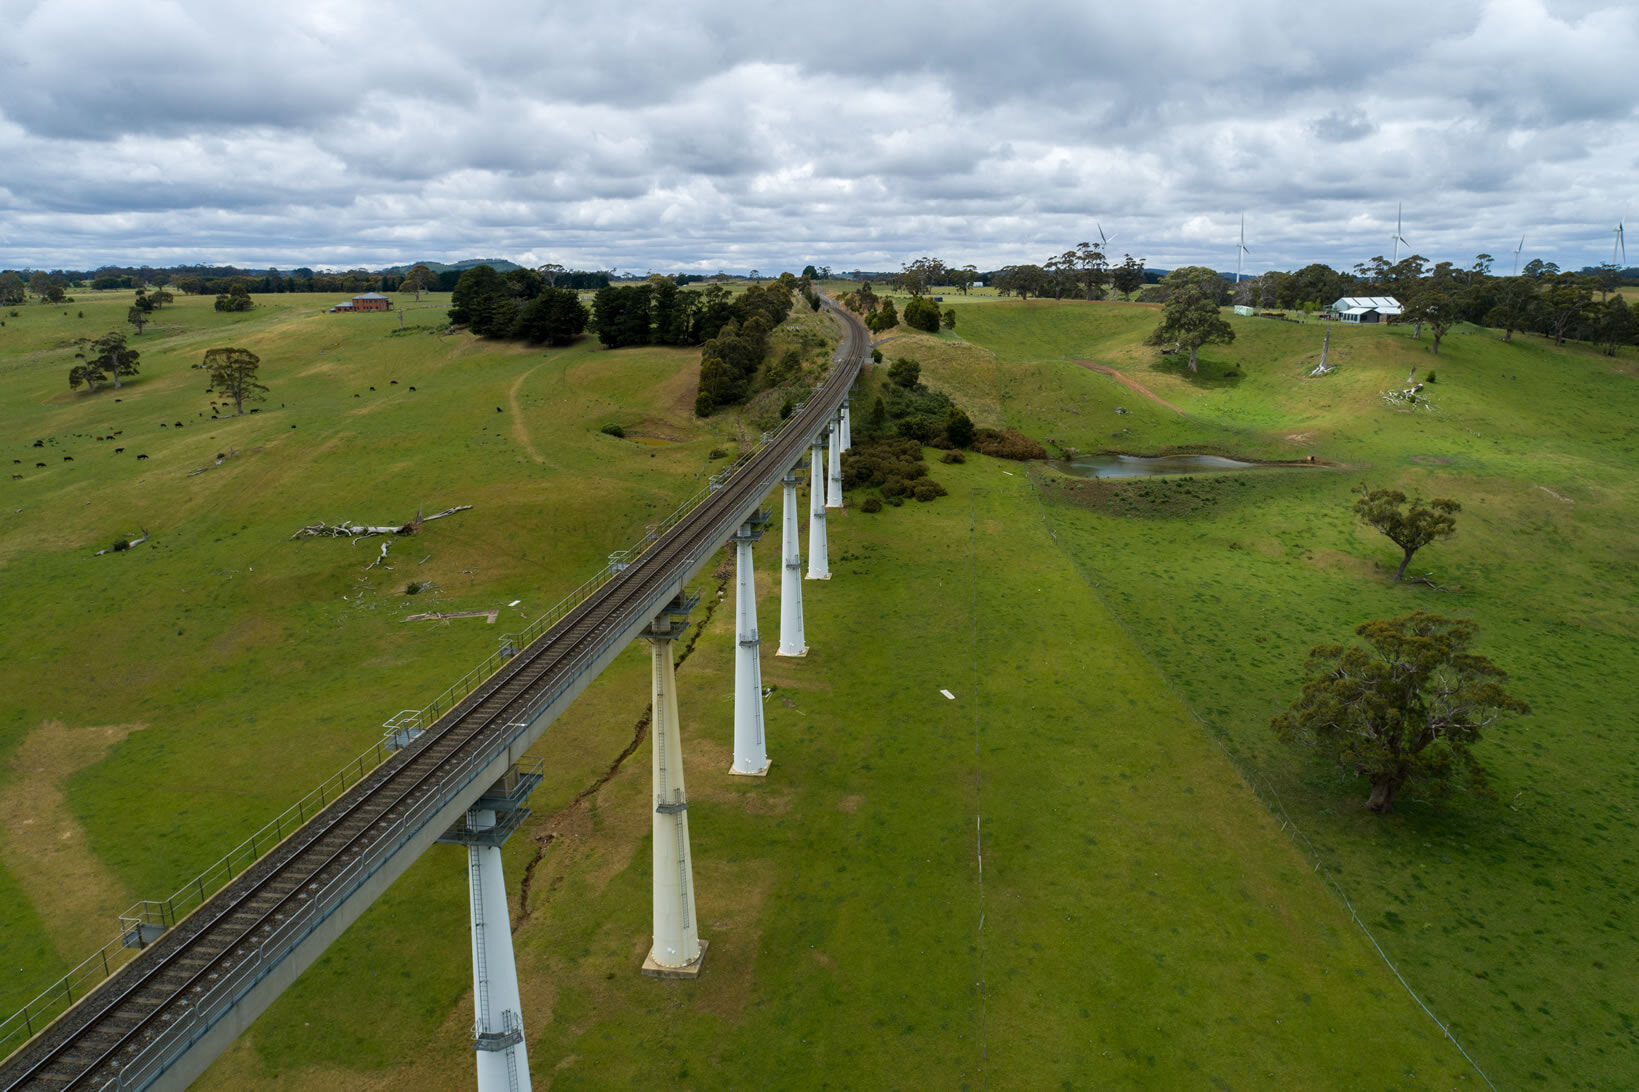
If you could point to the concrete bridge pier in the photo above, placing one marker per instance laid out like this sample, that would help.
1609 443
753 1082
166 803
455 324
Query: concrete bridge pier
792 642
847 427
833 489
750 748
678 951
819 564
498 1027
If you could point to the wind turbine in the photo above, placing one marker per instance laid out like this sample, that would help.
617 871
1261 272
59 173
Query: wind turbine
1619 244
1398 238
1240 249
1104 240
1516 254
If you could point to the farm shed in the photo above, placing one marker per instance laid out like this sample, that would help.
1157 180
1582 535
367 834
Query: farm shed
1365 308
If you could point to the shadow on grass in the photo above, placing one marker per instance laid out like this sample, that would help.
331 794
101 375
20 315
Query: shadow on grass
1209 374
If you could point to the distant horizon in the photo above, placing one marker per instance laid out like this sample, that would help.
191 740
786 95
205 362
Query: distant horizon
699 268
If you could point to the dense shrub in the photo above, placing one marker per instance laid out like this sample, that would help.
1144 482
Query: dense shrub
614 430
922 313
918 427
893 466
872 504
1007 444
905 373
883 318
953 457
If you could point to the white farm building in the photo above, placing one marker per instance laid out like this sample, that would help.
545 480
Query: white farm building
1365 308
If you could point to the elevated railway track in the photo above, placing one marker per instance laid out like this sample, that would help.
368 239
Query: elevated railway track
164 1016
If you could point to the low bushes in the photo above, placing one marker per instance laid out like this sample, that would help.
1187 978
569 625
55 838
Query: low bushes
1007 444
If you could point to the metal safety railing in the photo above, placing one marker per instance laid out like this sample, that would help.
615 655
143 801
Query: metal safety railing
149 919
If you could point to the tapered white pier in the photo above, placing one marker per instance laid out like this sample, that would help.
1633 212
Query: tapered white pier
792 642
750 748
847 426
819 564
833 488
678 951
498 1026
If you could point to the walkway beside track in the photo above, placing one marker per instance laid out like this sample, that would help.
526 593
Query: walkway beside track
166 1015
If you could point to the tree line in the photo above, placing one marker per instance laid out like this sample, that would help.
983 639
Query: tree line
202 280
733 331
1541 298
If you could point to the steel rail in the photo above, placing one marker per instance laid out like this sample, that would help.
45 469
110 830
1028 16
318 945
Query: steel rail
366 818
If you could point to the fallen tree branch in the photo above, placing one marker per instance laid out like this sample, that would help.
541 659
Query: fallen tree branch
122 545
441 515
346 529
379 557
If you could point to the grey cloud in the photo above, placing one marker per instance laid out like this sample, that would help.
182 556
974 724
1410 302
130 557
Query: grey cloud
1340 128
652 135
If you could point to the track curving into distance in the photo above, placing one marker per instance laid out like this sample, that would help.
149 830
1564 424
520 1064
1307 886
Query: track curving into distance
166 995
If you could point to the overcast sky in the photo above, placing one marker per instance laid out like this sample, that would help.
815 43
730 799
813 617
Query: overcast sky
669 136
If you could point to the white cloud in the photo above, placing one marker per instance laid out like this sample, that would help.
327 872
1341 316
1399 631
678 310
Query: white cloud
654 135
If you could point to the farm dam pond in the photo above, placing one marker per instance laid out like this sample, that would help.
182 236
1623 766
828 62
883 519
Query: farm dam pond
1146 466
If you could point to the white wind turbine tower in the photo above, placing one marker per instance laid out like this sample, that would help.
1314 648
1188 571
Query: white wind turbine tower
1398 238
1620 244
1240 249
1516 254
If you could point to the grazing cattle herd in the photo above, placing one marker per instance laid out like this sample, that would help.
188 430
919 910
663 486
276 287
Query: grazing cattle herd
51 441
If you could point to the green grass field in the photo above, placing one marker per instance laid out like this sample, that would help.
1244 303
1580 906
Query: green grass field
252 666
1158 901
1512 917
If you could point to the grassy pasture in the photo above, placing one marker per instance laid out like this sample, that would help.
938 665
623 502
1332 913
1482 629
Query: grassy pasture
250 666
1512 917
1145 917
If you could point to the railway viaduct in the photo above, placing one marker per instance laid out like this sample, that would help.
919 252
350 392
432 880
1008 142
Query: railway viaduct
455 775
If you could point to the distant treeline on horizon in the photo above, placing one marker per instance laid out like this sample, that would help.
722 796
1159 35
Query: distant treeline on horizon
215 279
212 279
